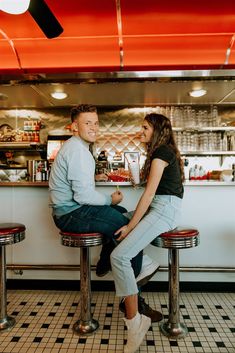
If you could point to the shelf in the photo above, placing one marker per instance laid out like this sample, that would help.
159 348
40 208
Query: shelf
23 145
24 183
208 153
205 128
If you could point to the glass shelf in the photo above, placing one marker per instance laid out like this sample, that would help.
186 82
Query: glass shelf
22 145
208 153
205 128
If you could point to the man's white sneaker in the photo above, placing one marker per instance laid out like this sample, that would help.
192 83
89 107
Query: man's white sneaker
149 268
136 331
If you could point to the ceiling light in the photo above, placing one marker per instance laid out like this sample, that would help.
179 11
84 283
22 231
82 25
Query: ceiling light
14 7
59 95
198 93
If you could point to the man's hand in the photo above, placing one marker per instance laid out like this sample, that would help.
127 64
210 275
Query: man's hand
117 197
122 233
101 177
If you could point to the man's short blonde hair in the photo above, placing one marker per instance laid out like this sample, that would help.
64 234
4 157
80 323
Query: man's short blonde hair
82 108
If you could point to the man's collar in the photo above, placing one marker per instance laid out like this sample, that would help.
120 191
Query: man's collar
83 142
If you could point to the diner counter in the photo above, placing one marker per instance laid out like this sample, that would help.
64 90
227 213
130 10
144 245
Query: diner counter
210 209
119 183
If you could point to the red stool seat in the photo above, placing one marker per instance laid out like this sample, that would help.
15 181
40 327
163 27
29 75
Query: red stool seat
11 233
180 232
7 228
178 238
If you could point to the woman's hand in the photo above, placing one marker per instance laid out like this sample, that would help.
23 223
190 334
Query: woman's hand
122 233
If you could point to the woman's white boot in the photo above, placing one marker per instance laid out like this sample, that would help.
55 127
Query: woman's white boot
137 327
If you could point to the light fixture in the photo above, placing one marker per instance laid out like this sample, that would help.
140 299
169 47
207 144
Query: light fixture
14 7
198 93
59 95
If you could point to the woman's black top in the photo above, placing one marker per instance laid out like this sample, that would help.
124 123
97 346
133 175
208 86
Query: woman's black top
170 183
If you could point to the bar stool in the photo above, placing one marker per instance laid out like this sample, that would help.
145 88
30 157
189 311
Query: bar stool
178 238
10 233
86 324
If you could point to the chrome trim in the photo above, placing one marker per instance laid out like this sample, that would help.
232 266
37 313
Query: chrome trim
120 37
12 80
177 242
9 239
81 241
12 45
228 51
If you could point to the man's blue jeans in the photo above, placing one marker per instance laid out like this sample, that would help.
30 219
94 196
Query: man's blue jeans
100 219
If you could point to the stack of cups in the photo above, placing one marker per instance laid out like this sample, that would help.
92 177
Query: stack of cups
135 171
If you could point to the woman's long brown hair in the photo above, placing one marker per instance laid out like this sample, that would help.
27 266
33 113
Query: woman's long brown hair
162 135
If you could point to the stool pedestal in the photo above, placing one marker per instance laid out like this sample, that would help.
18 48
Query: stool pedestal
6 322
86 324
10 233
173 328
178 238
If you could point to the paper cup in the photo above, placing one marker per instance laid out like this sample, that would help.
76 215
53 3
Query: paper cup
135 171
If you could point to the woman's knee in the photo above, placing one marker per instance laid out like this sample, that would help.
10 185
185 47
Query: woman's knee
115 257
119 257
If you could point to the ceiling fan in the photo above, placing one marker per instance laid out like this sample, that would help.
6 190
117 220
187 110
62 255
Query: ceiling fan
40 12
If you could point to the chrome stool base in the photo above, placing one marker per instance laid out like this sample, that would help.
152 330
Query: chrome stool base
175 331
7 323
85 327
174 240
10 233
86 324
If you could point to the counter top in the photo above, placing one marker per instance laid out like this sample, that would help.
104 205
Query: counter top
24 183
209 183
118 183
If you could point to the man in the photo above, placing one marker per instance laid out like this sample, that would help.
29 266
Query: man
79 207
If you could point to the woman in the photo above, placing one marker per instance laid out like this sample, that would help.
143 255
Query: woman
157 212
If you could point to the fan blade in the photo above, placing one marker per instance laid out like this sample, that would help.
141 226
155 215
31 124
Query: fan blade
45 19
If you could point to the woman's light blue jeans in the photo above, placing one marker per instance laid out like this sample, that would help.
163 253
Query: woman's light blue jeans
163 215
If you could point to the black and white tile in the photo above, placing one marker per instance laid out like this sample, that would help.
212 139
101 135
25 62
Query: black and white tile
44 321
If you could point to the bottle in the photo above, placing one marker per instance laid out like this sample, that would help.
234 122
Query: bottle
186 169
233 171
192 173
224 143
196 172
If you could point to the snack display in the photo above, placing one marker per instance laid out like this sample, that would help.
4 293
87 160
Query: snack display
119 175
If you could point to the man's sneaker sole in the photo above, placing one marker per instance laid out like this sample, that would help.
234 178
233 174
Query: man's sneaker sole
102 274
145 279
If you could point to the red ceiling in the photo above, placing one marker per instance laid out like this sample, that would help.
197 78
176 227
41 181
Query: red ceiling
171 34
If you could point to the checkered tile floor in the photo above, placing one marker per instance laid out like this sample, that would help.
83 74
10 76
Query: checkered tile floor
44 321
